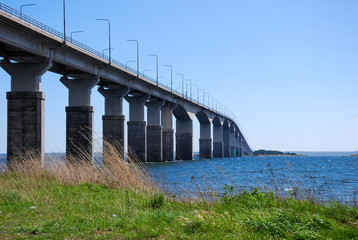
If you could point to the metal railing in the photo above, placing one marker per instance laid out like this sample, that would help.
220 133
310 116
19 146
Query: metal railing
60 35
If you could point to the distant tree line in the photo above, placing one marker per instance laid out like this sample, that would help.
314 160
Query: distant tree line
272 152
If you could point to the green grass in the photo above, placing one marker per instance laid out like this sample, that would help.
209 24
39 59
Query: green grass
41 207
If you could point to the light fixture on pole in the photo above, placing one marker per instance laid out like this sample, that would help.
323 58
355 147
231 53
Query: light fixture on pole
75 32
129 62
106 49
147 70
25 5
171 76
156 57
197 95
182 82
190 86
136 41
109 35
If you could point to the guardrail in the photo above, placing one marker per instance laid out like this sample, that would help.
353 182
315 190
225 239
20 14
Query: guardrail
41 26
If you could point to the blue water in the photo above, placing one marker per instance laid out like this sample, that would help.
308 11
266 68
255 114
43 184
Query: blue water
326 177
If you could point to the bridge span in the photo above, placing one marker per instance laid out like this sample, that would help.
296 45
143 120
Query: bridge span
29 48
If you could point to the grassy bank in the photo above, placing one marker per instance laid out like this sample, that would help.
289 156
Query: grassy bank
43 205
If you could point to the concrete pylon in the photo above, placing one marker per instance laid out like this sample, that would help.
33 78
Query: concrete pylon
205 141
113 120
232 141
79 120
237 143
218 143
154 130
168 131
136 127
25 116
226 138
184 139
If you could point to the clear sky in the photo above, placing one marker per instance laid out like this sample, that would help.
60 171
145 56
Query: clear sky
287 69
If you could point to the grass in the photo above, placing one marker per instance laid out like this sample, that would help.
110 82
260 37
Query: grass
87 202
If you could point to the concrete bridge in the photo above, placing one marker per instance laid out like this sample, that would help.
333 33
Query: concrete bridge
29 48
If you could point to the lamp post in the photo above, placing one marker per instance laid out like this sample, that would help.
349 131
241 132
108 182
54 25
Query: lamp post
197 95
64 20
190 86
171 76
129 62
182 82
200 89
25 5
75 32
109 35
147 70
156 57
136 41
106 49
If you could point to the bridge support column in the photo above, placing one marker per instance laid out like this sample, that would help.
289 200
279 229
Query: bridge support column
232 143
237 144
184 139
136 127
205 141
168 131
79 120
218 144
113 121
226 136
240 146
25 116
154 131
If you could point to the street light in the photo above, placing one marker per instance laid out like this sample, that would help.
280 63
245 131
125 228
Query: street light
25 5
197 95
171 76
200 89
136 41
147 70
129 62
109 35
75 32
182 82
64 20
190 86
106 49
156 57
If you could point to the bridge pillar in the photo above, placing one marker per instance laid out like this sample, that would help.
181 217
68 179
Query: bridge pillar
226 136
154 131
79 120
113 121
218 144
237 144
232 142
184 139
205 141
240 146
25 116
136 127
168 131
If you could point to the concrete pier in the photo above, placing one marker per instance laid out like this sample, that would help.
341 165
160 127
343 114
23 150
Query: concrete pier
136 127
184 139
237 144
154 130
226 137
79 120
25 117
205 141
218 143
232 142
168 131
113 121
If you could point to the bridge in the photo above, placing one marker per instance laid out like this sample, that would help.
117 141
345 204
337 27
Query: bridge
29 48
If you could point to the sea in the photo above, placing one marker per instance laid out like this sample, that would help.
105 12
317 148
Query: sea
324 178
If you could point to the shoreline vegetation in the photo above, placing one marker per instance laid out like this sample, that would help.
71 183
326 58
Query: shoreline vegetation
263 152
121 201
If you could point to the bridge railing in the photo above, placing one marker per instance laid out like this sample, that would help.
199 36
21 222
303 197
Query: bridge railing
15 13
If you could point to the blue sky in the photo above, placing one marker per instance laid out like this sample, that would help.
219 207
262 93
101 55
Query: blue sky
287 69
